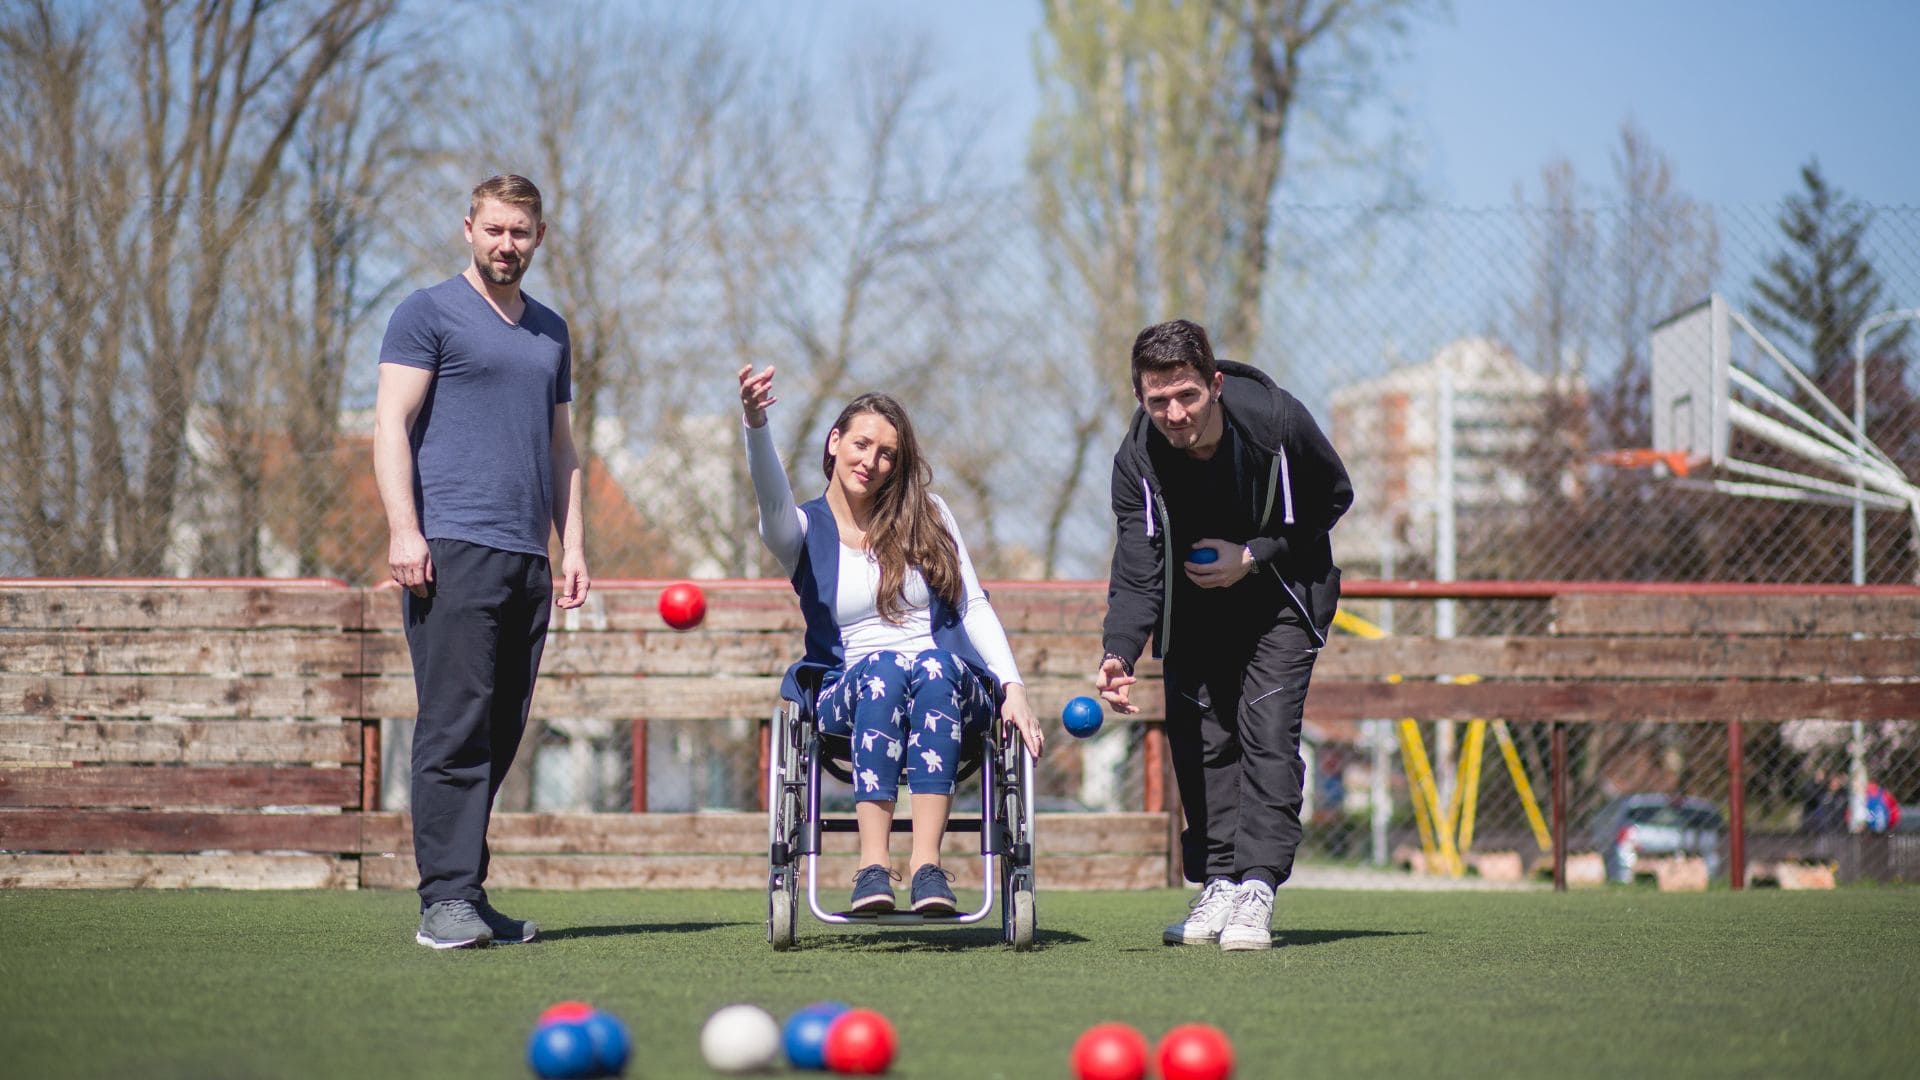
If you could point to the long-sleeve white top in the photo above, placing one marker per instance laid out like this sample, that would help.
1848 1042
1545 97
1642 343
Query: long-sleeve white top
863 631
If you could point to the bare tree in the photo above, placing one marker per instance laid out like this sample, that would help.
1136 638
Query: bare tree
221 93
1163 141
64 181
304 286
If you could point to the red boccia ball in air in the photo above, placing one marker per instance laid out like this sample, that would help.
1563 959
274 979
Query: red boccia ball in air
683 605
1195 1052
1110 1052
860 1042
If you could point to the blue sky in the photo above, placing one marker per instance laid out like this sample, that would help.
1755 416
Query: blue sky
1738 93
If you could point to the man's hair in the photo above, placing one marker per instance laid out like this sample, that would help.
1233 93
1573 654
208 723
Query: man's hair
510 189
1168 346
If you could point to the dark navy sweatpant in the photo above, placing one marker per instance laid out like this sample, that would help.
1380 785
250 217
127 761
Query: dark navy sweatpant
476 641
1233 725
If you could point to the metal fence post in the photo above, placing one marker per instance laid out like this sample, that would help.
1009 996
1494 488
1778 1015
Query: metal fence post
1737 808
1559 807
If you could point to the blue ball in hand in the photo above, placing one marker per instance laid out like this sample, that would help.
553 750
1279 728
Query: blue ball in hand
1203 555
1082 717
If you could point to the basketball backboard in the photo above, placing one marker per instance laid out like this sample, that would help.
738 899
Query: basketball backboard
1692 357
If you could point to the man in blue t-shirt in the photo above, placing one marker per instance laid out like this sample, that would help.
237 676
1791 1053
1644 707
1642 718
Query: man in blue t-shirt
474 455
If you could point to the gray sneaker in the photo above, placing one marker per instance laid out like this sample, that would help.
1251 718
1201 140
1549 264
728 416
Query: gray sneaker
506 930
452 924
1206 916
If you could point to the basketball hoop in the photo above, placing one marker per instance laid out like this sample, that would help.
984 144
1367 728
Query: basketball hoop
1676 462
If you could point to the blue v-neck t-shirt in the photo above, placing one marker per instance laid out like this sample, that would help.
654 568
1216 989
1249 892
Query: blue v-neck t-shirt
482 458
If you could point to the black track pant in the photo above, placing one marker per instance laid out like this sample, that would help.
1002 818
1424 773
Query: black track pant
1233 724
476 644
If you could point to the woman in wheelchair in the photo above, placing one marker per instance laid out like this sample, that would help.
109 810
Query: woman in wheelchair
914 655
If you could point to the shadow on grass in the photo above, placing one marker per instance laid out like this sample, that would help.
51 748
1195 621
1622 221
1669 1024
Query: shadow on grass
1297 938
971 939
628 929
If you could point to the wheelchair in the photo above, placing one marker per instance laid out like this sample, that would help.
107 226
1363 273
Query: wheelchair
799 752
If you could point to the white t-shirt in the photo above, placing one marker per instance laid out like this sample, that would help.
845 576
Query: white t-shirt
863 632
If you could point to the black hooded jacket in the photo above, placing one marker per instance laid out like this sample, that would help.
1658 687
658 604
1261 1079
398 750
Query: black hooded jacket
1294 487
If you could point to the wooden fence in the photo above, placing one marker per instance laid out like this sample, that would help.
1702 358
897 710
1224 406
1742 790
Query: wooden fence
227 733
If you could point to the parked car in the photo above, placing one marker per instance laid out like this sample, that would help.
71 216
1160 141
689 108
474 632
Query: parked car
1635 826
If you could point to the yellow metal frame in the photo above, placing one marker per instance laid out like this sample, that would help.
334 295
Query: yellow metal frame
1446 833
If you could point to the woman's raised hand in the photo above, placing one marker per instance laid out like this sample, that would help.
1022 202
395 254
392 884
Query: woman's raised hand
756 394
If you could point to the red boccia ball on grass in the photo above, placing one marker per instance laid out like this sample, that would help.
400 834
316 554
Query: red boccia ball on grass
564 1012
860 1042
1195 1052
1110 1052
683 605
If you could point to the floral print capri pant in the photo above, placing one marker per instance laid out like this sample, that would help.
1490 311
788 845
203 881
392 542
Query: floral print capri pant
906 716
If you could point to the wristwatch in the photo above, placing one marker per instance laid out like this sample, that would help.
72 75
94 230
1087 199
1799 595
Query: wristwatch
1253 564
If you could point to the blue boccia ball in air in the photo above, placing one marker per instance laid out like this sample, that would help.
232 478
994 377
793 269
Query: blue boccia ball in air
610 1042
804 1036
561 1051
1081 716
1203 555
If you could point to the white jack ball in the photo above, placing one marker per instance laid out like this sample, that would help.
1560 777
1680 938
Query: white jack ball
740 1039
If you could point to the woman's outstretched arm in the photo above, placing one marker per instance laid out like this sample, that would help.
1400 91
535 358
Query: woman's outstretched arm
783 528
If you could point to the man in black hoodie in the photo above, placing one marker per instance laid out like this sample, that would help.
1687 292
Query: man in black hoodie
1224 492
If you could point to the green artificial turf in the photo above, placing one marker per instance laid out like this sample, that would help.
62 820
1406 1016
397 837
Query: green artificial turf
1612 983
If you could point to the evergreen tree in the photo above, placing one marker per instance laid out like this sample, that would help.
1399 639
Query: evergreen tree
1818 291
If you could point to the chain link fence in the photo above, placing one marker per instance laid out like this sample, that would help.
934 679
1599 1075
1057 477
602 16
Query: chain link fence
251 455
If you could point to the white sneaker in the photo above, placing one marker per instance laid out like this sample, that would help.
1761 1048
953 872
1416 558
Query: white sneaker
1206 915
1250 926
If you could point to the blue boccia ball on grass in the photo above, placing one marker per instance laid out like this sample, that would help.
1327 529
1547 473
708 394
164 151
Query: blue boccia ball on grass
1082 717
804 1036
561 1051
1203 555
610 1041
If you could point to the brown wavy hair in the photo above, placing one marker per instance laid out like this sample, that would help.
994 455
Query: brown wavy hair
905 527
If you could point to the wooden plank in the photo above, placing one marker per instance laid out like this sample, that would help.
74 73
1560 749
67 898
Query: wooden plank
696 698
770 606
155 831
250 787
746 833
1589 657
192 696
178 872
1068 655
743 652
1829 614
1661 701
1066 872
178 742
199 652
178 609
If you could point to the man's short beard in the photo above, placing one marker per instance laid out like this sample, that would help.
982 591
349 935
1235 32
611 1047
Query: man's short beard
513 276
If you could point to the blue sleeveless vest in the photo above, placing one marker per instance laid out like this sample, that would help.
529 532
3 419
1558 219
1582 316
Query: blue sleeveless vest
816 580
